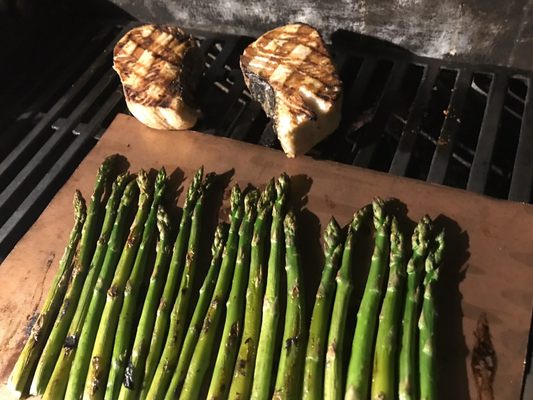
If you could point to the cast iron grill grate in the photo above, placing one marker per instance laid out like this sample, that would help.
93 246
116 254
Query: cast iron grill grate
454 124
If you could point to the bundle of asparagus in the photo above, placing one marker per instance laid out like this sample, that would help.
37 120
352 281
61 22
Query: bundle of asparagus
121 320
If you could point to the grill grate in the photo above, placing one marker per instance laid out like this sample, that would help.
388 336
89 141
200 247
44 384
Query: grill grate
448 123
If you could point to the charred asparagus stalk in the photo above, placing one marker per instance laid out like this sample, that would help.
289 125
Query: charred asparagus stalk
427 323
199 365
40 330
333 375
288 380
77 350
241 384
384 374
178 318
200 311
131 292
232 332
58 379
135 370
88 240
262 380
313 385
408 362
177 262
360 366
103 344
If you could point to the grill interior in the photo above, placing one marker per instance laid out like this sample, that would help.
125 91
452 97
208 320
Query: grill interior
466 126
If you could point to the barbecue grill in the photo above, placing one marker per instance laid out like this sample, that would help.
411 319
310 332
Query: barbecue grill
447 120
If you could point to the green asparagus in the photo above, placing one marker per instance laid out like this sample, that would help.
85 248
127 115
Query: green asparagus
87 245
241 384
408 362
135 369
131 292
101 355
227 353
289 375
178 318
264 364
192 383
168 298
427 323
39 333
313 385
384 373
73 363
360 366
199 311
333 375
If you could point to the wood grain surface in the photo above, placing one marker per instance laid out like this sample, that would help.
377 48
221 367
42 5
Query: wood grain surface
488 266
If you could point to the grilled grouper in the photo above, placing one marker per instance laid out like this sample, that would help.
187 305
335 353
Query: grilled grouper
159 66
290 72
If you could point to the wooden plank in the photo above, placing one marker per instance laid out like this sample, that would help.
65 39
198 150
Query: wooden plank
489 265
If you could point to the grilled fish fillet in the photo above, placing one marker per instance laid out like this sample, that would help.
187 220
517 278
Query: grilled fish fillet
290 72
159 66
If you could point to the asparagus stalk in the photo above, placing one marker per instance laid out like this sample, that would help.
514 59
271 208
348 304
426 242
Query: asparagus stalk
103 345
241 384
384 374
171 285
427 323
131 292
40 330
262 381
360 366
71 367
232 331
201 356
313 385
288 380
88 240
180 311
333 374
59 374
408 363
199 312
135 369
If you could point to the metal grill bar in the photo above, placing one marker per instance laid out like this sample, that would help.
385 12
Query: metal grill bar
443 151
402 156
522 179
487 136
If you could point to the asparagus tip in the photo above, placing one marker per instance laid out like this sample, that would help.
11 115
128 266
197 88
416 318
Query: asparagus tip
220 237
143 181
250 201
332 236
80 208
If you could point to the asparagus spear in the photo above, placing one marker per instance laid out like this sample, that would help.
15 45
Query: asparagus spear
408 364
241 384
427 322
171 285
135 369
262 381
81 269
288 380
73 362
131 292
360 366
384 374
40 330
103 344
231 334
313 385
199 311
201 356
64 363
333 375
180 311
